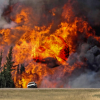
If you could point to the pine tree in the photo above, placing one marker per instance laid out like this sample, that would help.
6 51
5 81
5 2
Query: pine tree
0 60
1 74
2 78
7 70
9 63
5 76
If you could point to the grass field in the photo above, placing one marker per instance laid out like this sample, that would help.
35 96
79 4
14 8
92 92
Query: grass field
49 94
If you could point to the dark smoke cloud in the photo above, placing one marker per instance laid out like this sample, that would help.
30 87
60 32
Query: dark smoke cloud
91 10
50 62
88 75
40 8
88 8
43 12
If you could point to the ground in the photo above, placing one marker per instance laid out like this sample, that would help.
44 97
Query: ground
49 94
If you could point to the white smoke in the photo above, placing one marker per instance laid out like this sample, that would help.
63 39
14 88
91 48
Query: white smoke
10 25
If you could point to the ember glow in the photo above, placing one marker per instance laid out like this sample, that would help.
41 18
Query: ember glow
44 53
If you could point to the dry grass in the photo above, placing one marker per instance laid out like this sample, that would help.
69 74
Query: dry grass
49 94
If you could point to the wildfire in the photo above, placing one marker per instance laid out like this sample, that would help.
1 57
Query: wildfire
39 50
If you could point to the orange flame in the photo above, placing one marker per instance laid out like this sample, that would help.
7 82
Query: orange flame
36 43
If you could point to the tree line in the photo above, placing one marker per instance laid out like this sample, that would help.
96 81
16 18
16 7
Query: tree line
6 80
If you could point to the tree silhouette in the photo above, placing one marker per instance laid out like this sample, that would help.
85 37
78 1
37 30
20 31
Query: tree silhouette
5 75
22 69
0 60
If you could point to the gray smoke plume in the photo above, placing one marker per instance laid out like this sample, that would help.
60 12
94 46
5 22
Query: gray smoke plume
3 4
88 75
43 11
3 22
88 8
86 80
92 10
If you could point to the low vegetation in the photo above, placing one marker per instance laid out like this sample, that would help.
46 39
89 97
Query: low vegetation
49 94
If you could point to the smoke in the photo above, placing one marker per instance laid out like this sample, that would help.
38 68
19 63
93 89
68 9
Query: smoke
56 80
10 25
50 61
2 22
88 9
3 4
86 80
86 77
92 9
43 11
